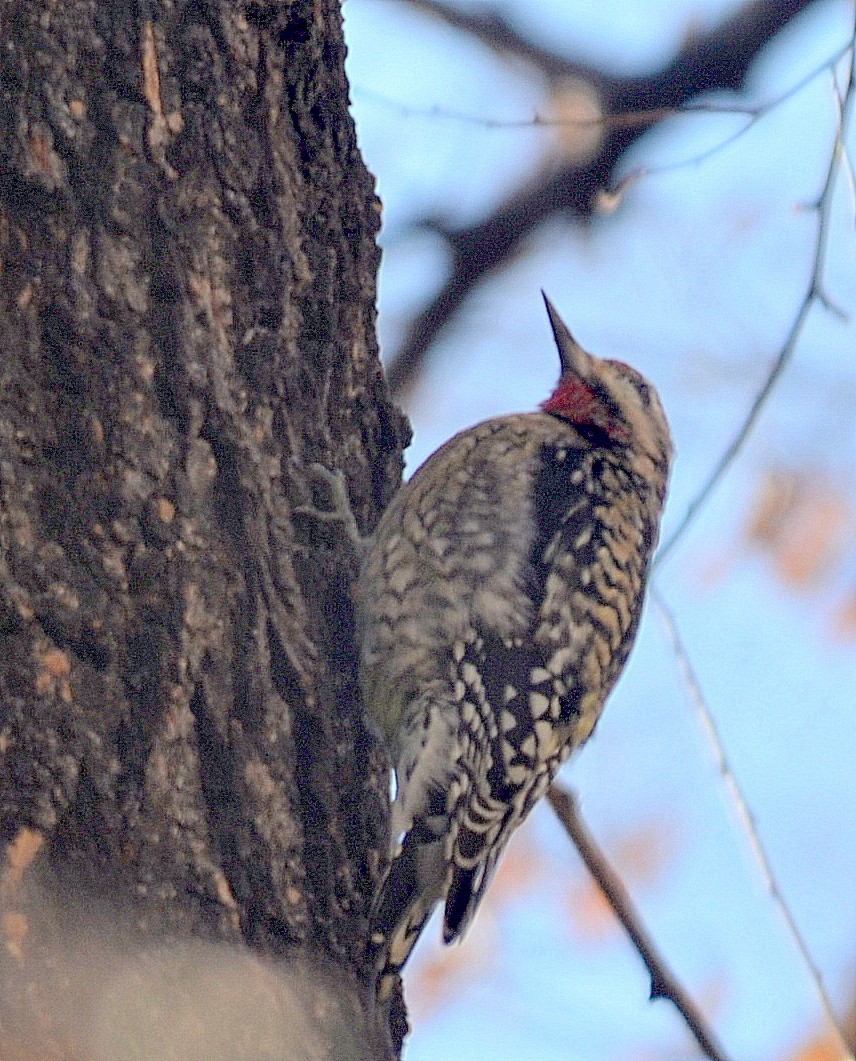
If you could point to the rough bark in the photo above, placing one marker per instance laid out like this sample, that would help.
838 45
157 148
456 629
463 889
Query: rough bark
187 287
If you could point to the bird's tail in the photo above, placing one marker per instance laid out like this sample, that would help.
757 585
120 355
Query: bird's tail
405 901
478 841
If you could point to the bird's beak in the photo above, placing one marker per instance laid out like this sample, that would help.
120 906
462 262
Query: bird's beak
575 361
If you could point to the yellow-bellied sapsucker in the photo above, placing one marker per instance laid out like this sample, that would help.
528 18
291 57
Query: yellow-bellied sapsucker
497 604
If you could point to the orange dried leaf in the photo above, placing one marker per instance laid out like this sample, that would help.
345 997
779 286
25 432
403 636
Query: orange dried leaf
645 854
823 1049
814 541
774 502
844 621
803 521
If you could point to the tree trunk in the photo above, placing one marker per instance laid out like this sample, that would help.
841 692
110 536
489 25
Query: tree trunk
187 287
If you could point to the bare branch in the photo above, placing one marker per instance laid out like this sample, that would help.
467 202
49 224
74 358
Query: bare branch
716 60
664 984
815 293
747 820
719 57
753 114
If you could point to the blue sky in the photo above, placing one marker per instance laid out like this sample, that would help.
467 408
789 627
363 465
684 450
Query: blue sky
695 279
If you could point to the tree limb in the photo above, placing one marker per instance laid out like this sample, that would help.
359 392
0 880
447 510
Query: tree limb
719 59
663 981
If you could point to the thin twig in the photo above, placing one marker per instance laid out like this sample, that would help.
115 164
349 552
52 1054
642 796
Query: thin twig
747 820
624 120
664 984
815 293
753 114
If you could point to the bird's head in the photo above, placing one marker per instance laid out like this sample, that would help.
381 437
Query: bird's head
608 397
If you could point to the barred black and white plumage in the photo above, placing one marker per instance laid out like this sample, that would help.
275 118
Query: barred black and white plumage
497 605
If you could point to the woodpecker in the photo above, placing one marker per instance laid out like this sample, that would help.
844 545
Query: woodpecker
496 606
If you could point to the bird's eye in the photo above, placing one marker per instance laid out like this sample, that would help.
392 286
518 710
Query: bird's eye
645 391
